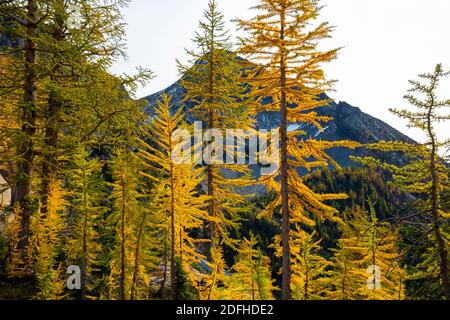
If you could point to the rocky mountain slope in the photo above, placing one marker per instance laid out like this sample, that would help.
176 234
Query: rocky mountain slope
349 123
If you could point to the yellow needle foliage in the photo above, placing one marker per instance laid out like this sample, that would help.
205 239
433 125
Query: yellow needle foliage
308 266
213 87
9 114
425 175
283 44
181 204
367 263
251 277
46 245
86 194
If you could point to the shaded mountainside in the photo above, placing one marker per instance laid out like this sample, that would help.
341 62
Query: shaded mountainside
349 123
357 183
8 40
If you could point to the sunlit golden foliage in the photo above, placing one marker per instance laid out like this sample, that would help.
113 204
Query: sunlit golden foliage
426 176
46 243
213 85
183 207
86 187
283 45
367 262
251 275
308 266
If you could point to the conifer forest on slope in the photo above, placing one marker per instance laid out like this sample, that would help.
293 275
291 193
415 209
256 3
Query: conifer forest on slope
88 181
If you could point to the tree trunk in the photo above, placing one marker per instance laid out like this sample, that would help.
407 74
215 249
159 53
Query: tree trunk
181 246
25 151
84 261
172 223
253 278
49 164
213 282
440 243
210 169
136 258
84 248
122 249
164 280
285 227
211 213
172 247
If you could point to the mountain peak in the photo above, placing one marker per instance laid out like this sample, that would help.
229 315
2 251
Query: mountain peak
349 123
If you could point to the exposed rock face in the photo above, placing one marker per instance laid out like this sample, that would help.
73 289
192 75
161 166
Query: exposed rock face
5 196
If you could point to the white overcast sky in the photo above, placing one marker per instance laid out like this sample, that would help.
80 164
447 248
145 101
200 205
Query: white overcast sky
386 42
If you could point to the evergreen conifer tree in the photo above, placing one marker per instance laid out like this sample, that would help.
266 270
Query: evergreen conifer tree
46 244
251 277
309 268
86 187
283 43
178 183
214 88
425 175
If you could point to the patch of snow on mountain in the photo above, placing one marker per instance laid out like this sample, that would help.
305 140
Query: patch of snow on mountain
319 132
173 90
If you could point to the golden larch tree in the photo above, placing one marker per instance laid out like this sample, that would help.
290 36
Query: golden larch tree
426 174
251 277
214 89
283 44
178 185
309 267
86 187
